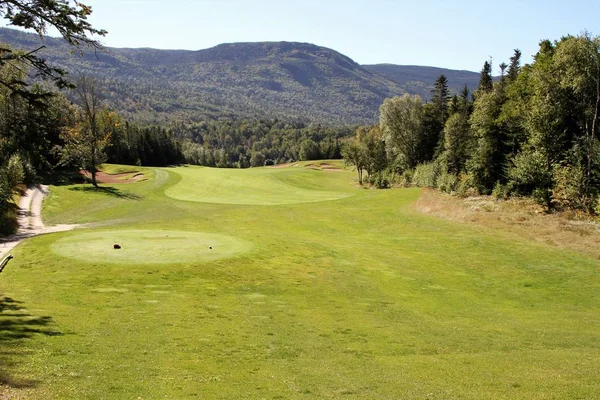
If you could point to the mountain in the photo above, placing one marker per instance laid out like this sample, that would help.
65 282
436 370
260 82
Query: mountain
417 79
274 79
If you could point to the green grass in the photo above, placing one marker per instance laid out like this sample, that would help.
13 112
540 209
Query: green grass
149 246
257 186
356 298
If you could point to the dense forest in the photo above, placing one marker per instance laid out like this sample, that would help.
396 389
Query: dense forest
284 80
532 132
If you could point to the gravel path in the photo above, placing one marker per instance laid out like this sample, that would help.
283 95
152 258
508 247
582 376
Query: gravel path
30 219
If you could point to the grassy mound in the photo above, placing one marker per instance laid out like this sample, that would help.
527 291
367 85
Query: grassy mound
149 246
256 186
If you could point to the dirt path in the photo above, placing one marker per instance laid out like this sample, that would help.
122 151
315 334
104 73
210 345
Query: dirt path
30 219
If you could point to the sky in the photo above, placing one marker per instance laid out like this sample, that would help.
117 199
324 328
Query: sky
448 34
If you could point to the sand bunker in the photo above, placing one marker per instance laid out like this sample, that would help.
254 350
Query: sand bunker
102 177
323 167
329 167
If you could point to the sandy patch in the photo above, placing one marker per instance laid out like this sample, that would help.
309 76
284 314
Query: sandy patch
103 177
323 167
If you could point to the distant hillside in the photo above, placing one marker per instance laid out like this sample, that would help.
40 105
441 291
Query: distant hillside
280 79
415 79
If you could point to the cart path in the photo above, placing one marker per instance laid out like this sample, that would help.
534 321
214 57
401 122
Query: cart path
30 219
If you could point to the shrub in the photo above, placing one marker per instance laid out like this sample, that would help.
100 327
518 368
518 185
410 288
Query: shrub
569 188
543 197
406 178
500 191
528 172
426 175
466 186
11 175
382 181
447 182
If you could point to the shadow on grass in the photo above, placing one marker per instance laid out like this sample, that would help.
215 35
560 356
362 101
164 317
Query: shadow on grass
62 177
109 191
16 327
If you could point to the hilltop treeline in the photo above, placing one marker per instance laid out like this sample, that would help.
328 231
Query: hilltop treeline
236 143
227 143
533 132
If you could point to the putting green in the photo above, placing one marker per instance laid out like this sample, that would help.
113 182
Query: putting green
149 246
257 186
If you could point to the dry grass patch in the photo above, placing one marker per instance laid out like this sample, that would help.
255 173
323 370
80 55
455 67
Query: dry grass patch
519 216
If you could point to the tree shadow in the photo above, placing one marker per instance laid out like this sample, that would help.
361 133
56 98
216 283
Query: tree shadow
62 177
107 190
8 219
16 327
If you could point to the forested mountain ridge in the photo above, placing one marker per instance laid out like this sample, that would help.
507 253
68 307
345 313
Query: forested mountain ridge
417 79
266 79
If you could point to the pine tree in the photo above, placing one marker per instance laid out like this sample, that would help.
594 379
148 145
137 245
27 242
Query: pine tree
440 93
515 66
485 79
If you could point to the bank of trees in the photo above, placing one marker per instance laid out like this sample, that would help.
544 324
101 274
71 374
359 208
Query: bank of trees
243 143
532 131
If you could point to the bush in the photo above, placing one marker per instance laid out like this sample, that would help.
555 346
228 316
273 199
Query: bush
426 175
528 173
569 189
447 182
543 197
406 178
11 175
466 186
380 180
500 191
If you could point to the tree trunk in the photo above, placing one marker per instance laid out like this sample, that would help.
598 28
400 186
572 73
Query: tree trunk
93 169
94 182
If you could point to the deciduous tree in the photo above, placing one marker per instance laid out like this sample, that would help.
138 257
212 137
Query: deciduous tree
401 121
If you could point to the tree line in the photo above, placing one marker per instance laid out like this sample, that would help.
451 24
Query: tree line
532 131
243 143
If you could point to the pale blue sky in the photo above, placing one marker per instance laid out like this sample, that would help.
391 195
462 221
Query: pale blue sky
450 34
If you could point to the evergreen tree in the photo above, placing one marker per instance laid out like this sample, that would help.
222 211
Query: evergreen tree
435 116
485 79
440 94
515 66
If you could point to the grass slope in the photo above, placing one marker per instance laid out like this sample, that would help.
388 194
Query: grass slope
358 298
260 186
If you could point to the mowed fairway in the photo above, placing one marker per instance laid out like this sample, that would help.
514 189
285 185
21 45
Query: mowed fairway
258 186
355 297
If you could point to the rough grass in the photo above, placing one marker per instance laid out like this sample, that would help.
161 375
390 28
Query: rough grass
521 217
357 298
